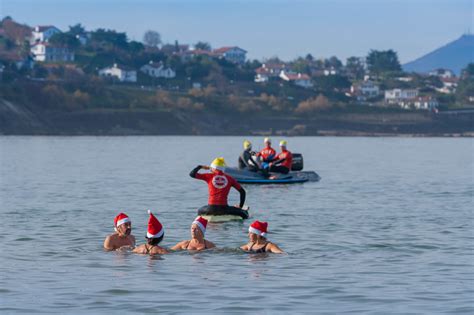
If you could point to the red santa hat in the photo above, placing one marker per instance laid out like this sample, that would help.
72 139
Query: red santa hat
120 219
259 228
201 223
155 229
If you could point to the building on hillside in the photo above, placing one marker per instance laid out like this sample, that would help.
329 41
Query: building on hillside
449 85
269 70
401 97
83 38
158 70
331 71
233 54
298 79
43 33
442 73
188 55
426 102
47 52
19 60
365 90
122 73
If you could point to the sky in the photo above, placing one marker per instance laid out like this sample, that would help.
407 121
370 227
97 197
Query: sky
268 28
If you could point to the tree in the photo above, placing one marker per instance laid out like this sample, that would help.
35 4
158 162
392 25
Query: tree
383 62
116 39
65 40
203 46
334 62
152 38
465 88
77 29
355 68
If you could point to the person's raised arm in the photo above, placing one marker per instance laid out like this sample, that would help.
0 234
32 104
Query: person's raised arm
195 171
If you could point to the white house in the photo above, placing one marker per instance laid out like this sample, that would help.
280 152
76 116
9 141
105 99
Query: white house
330 71
43 33
232 54
158 70
122 73
366 89
449 85
267 71
46 52
442 73
299 79
401 97
426 102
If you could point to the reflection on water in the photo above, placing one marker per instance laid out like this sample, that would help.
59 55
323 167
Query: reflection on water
388 230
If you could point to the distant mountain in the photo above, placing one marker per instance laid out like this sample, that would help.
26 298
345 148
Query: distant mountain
454 56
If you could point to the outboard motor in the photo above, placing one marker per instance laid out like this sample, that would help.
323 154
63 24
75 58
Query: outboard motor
297 164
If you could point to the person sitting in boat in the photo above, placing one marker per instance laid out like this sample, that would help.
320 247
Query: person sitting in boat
267 154
282 163
197 241
122 238
219 185
246 159
258 240
154 236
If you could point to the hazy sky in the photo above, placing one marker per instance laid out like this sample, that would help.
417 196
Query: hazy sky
266 28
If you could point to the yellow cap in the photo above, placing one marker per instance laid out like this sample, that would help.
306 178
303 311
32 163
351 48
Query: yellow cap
267 140
283 143
218 163
247 144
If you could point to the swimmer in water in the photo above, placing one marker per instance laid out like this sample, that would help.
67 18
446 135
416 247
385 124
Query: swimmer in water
258 240
197 241
122 238
154 236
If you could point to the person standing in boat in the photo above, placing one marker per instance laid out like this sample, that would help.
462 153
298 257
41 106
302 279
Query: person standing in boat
247 160
258 242
219 185
122 238
282 163
154 236
197 241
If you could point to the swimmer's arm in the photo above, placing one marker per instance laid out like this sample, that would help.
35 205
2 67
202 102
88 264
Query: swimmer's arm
274 249
209 244
108 244
138 250
179 246
244 247
163 251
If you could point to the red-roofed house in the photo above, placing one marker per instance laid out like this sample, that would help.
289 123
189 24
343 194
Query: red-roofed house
299 79
267 71
43 33
233 54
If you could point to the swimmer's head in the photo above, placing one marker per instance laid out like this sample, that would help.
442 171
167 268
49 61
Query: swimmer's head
123 224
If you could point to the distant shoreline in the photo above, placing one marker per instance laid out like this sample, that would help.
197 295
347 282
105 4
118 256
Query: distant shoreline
20 120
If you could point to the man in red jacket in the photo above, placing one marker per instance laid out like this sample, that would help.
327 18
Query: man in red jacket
219 185
282 163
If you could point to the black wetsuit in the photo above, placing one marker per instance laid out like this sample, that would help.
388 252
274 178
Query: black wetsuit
244 159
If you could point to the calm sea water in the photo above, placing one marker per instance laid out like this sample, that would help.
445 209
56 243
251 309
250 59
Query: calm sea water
388 229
